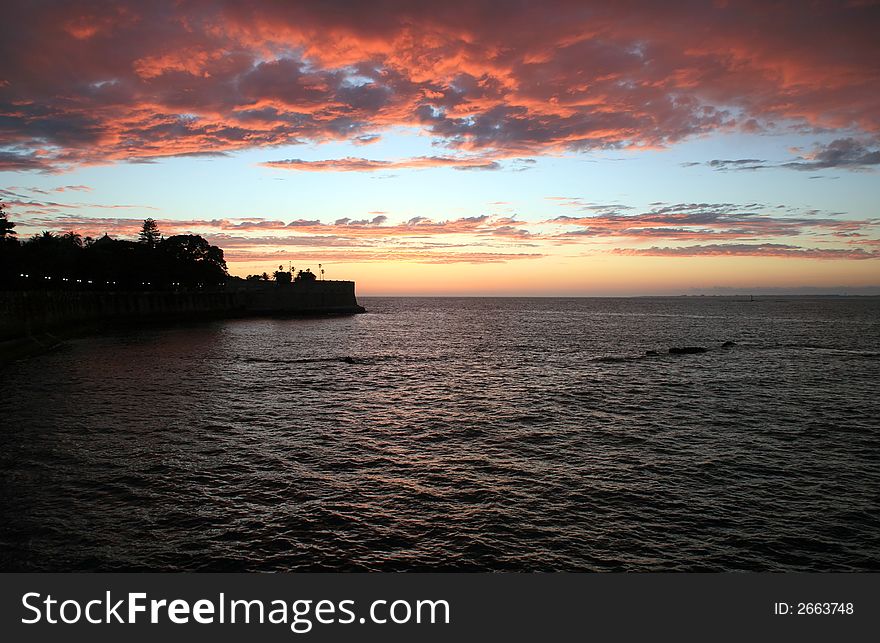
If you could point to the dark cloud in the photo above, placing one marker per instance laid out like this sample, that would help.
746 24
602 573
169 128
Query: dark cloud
841 153
355 164
587 206
491 165
738 164
708 221
14 162
752 250
846 153
366 139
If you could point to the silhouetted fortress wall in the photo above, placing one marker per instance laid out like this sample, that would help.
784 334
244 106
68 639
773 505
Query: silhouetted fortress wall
32 312
306 298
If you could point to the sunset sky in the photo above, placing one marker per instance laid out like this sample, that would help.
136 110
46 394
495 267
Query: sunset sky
506 148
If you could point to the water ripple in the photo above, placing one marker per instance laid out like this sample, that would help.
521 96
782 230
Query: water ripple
447 434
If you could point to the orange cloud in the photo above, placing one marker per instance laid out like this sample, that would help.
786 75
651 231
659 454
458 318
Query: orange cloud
422 256
376 227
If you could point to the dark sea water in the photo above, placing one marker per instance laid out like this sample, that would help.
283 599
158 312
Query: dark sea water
455 434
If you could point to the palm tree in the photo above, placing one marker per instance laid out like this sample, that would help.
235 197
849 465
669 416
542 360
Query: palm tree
44 236
73 238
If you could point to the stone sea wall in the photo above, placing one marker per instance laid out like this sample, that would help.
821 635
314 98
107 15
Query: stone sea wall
27 313
307 298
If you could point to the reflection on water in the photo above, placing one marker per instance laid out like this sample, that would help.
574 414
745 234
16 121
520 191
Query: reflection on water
455 434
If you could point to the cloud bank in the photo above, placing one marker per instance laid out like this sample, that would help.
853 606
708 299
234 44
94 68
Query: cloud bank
87 83
690 229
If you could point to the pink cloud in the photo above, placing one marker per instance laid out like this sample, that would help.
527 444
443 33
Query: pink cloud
376 227
720 229
426 256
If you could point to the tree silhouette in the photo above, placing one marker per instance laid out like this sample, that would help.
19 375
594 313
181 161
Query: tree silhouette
282 276
149 234
67 261
192 261
72 238
7 227
10 251
46 238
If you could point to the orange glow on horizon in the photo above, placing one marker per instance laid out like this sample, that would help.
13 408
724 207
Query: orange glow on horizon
597 275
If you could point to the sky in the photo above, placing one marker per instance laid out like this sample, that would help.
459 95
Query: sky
460 148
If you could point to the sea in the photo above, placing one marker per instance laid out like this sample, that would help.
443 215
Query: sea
455 434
